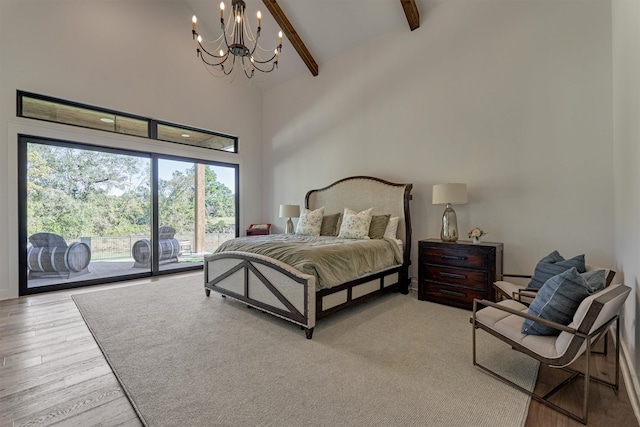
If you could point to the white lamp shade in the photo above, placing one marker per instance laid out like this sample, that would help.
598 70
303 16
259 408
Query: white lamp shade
456 194
289 211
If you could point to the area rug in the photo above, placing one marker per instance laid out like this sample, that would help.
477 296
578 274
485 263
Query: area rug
185 359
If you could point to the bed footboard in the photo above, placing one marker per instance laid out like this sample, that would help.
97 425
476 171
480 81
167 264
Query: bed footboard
263 283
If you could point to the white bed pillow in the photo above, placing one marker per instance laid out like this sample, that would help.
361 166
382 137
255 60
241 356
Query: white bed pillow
355 225
310 222
392 228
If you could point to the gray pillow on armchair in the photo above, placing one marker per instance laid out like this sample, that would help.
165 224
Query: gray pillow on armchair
554 264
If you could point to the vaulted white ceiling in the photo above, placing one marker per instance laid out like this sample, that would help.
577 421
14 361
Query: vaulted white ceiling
327 28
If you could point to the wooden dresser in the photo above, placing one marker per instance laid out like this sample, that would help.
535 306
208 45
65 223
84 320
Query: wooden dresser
456 273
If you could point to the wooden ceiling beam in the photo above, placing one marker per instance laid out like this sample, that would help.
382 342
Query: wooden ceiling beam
411 12
292 35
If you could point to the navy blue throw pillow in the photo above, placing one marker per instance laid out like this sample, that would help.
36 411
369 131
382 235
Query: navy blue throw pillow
552 265
559 298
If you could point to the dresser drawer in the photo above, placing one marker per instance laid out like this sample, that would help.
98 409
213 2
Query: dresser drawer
456 296
456 273
455 276
450 255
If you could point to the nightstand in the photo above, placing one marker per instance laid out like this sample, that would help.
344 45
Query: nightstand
456 273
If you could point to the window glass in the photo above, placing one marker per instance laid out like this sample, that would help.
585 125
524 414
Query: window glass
87 213
53 111
42 107
198 138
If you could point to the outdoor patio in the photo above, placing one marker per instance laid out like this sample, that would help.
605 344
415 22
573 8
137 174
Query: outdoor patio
123 267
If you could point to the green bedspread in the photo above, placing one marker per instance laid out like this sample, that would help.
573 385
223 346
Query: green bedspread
331 260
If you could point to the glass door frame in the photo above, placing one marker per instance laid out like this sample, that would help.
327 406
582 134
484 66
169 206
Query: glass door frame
24 140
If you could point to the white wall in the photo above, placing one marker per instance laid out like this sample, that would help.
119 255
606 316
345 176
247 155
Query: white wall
512 98
626 114
133 56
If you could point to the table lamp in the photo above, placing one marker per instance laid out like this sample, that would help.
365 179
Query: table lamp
449 194
289 211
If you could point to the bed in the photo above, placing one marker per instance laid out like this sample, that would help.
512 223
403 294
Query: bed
299 295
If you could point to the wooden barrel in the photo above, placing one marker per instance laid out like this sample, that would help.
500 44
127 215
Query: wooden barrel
169 248
75 257
39 259
141 250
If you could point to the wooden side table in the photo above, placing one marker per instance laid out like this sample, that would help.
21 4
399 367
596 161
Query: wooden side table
456 273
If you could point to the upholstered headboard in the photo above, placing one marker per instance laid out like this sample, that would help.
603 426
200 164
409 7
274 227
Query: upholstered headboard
363 192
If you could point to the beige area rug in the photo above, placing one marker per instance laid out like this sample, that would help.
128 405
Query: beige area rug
188 360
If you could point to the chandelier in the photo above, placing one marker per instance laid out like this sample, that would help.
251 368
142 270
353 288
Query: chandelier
231 46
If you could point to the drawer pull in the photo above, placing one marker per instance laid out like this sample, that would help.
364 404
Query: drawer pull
457 258
453 275
454 293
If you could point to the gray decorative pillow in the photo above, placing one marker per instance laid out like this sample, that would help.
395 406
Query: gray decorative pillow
596 280
330 225
378 226
552 265
310 222
559 298
355 225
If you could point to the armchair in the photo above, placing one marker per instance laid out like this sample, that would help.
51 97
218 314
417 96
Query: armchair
591 321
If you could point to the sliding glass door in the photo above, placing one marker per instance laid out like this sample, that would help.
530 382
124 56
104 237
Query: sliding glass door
91 215
196 211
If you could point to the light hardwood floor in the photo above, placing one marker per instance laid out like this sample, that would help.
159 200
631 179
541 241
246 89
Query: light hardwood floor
53 373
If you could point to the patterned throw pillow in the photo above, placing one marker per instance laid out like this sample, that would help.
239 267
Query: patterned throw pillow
559 298
355 225
378 226
330 225
310 222
552 265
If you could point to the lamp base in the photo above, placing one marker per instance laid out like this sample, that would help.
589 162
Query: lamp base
449 232
289 227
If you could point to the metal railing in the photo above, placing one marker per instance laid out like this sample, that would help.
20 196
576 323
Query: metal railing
106 248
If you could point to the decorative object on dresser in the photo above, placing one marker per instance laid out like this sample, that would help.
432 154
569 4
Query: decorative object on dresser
449 194
259 230
456 273
289 211
475 234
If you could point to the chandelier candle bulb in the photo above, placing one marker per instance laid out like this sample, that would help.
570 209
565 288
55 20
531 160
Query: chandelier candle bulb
234 40
194 20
